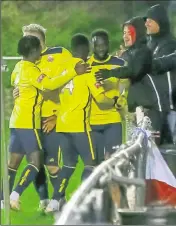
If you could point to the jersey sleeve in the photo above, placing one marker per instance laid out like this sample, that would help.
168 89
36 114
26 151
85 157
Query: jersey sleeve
14 74
91 83
13 77
42 82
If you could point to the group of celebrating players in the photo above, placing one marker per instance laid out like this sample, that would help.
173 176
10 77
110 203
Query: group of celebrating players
60 109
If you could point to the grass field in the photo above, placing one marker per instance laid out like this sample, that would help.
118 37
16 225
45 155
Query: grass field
30 200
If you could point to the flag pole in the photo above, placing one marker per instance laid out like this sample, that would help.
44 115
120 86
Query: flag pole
4 158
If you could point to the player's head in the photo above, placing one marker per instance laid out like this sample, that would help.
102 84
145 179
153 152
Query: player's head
30 48
157 20
80 46
100 44
37 31
134 31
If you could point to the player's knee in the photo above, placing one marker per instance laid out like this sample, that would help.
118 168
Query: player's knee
90 163
87 171
13 165
52 169
34 158
15 160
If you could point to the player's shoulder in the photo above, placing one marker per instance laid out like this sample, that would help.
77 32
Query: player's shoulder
114 60
55 50
18 64
36 68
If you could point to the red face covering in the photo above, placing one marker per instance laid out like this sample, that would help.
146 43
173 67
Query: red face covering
132 32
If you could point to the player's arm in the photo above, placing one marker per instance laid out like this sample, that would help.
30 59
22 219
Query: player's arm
123 84
99 95
105 102
164 64
139 64
42 82
14 78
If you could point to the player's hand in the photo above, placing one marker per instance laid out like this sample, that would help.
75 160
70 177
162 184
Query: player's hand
102 74
49 124
82 68
121 102
121 51
16 93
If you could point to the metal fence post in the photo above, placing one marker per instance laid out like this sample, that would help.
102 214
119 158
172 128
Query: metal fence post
4 160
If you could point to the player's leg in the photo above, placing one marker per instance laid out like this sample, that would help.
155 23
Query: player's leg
50 146
41 183
85 146
41 186
99 142
70 159
15 158
112 137
30 141
52 155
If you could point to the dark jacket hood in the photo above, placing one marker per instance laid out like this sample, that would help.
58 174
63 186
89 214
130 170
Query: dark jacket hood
159 14
139 24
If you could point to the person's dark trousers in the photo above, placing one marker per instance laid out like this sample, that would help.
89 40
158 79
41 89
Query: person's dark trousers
160 123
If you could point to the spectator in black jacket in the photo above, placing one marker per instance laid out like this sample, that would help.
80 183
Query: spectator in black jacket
143 91
164 64
139 63
162 42
137 55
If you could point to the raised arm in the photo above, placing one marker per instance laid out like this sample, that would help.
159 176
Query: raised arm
42 82
138 65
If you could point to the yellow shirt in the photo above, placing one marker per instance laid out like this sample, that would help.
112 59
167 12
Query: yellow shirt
29 80
98 116
75 100
51 62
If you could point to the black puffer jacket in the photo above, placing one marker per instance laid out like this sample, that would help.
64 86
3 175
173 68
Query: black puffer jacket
164 63
139 59
162 43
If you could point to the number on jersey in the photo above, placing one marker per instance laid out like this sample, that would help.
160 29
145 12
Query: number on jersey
69 86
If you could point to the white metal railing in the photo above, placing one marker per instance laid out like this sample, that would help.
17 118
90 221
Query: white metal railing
101 175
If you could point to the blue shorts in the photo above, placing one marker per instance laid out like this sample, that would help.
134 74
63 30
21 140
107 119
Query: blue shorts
50 144
25 141
106 136
74 144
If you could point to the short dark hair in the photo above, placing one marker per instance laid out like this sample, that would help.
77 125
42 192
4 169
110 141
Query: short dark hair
79 39
100 33
26 44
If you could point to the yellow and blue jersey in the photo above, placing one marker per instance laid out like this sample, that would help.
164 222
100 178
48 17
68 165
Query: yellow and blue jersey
75 99
52 60
111 87
27 107
31 82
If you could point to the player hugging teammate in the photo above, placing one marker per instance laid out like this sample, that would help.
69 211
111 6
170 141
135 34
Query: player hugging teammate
60 108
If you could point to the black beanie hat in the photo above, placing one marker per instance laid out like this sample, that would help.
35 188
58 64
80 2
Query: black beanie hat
159 14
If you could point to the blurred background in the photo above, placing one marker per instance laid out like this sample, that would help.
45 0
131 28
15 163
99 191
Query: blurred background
62 19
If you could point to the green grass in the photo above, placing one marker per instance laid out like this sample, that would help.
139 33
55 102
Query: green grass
30 200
